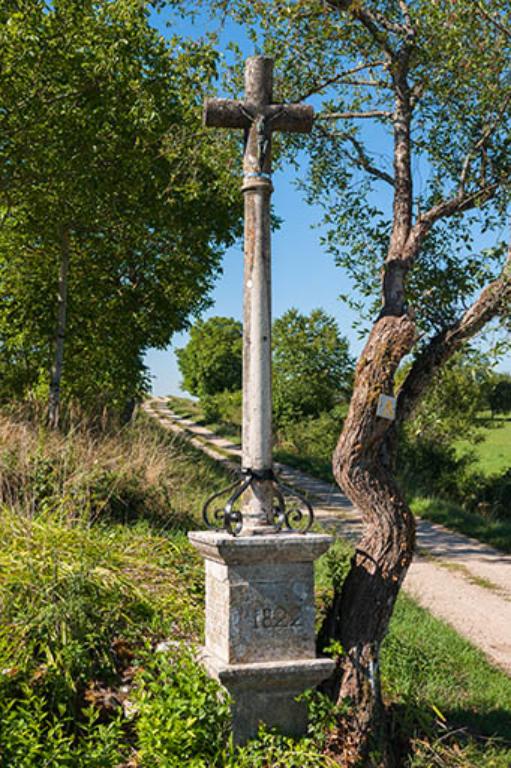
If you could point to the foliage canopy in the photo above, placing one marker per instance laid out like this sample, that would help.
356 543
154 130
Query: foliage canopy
101 142
312 365
211 361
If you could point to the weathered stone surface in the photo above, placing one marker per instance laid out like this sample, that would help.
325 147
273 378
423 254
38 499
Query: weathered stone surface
267 692
271 548
260 595
260 613
260 639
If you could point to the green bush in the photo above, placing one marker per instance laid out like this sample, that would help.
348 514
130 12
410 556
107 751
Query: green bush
272 749
428 467
310 442
31 736
223 408
446 489
490 495
182 717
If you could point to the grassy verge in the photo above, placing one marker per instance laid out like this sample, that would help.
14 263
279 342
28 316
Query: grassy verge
449 706
313 465
493 531
183 406
191 409
448 702
102 599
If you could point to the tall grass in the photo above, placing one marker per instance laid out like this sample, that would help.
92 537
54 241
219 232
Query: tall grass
93 563
136 473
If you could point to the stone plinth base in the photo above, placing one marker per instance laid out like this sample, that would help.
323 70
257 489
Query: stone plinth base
260 639
266 692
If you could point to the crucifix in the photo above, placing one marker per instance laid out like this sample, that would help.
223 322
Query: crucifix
258 117
259 631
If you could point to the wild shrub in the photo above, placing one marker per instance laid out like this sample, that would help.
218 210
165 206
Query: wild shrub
490 495
79 605
223 408
183 719
31 736
310 442
429 467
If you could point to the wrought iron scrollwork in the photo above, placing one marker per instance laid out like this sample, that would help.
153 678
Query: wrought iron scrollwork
296 516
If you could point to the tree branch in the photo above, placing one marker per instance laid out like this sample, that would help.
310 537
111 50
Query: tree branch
318 87
367 83
354 115
485 135
368 20
402 205
408 19
494 301
457 204
488 16
361 159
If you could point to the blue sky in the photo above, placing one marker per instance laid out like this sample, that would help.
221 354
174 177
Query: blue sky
304 275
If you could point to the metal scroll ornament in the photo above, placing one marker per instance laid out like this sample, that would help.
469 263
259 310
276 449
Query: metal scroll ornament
291 511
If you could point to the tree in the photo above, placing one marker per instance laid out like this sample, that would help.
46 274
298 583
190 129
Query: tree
312 367
116 210
431 77
450 408
499 397
212 359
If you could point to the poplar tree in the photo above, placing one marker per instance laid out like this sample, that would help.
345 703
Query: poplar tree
115 206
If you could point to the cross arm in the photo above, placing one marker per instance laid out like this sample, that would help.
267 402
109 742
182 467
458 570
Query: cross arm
228 113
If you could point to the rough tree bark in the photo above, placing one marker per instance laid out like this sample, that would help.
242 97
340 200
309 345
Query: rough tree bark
60 332
364 462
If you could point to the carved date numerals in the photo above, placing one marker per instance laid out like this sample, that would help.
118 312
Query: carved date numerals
275 618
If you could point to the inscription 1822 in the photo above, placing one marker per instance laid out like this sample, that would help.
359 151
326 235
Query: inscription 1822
276 618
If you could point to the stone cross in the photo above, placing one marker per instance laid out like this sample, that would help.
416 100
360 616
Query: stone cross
259 635
259 117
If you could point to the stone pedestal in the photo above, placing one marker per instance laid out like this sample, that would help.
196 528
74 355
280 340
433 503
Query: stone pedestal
260 639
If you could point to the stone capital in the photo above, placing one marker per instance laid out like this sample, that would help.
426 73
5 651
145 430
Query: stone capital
280 547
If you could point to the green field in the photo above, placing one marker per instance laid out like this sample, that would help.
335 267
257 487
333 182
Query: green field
494 451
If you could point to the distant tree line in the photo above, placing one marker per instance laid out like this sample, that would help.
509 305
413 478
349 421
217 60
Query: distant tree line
312 366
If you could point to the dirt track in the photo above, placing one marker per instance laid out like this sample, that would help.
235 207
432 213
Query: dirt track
460 580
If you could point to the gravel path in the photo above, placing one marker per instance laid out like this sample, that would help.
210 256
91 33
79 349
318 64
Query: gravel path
458 579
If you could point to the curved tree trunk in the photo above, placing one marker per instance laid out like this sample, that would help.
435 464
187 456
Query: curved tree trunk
363 466
365 456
